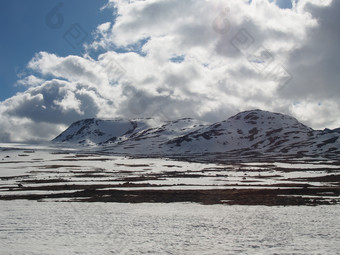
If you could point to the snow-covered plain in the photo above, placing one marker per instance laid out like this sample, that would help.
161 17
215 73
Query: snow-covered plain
26 170
34 167
28 227
50 227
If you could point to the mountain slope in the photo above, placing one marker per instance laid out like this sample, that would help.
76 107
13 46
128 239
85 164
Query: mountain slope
152 140
97 131
255 131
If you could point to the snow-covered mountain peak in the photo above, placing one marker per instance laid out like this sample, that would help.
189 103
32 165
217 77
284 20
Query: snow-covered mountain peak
266 119
98 131
250 131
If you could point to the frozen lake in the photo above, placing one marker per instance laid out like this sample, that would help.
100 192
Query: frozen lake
30 227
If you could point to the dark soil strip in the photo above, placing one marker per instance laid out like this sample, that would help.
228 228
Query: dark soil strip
327 178
268 197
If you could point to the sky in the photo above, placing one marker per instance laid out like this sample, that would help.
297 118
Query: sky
61 61
25 31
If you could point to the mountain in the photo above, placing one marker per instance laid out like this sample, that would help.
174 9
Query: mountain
253 131
97 131
154 139
259 131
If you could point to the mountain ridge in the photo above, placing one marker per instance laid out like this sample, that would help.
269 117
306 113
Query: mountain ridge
255 130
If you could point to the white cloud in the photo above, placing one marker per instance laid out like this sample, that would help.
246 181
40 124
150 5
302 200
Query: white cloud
68 103
30 81
229 59
307 110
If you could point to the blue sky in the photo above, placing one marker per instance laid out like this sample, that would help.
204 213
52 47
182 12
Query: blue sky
284 4
24 31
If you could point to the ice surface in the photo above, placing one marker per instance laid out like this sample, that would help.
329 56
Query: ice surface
28 227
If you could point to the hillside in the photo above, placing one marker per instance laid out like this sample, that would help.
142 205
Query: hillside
254 131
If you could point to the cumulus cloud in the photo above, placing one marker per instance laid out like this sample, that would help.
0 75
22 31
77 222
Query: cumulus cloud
183 58
30 81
